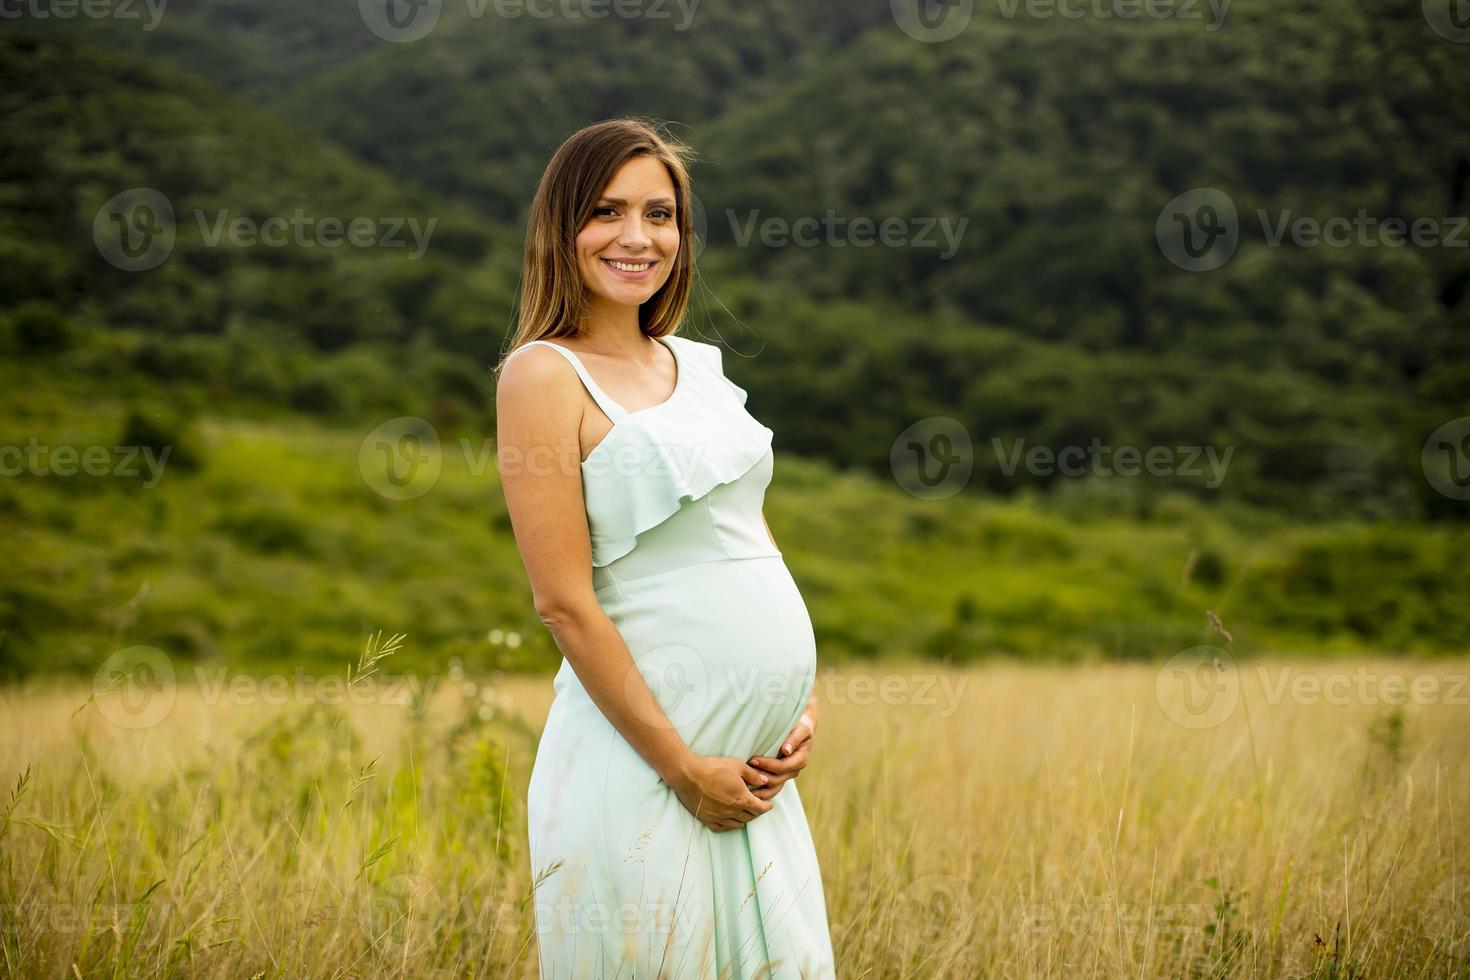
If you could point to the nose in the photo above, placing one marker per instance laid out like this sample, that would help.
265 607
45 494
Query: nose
633 236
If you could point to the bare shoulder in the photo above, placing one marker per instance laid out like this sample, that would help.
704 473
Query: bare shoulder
535 376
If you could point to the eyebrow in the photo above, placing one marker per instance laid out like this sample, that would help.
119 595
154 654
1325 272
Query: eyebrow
619 200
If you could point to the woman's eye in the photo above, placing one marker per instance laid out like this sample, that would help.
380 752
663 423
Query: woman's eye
656 212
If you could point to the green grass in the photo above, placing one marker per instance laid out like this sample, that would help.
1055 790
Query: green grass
277 550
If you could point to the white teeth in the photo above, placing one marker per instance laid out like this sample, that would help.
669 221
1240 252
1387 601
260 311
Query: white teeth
625 267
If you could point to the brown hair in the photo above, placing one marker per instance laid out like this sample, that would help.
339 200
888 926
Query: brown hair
553 298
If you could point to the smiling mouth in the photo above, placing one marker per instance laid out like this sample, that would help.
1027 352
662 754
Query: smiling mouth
640 265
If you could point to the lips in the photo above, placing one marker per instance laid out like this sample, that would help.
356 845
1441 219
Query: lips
633 269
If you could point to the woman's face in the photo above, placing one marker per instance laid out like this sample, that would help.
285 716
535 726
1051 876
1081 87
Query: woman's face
634 220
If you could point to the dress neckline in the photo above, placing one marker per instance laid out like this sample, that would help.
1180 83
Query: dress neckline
679 373
605 401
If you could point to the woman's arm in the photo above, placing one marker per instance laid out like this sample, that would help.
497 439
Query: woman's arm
539 405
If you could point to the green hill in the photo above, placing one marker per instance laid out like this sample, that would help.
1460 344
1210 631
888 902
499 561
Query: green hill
1058 318
265 366
280 314
279 547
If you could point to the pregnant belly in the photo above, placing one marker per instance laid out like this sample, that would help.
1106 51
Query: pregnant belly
726 647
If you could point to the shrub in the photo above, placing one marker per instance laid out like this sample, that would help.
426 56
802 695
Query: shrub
160 433
39 328
319 394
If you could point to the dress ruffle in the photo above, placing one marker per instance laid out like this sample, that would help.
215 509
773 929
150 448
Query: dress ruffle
653 462
718 356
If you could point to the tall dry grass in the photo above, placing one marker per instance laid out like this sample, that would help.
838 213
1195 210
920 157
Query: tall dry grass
1022 822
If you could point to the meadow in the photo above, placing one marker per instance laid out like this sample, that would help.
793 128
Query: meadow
276 541
1251 818
271 678
215 764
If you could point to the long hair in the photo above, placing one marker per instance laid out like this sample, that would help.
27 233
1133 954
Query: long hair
553 298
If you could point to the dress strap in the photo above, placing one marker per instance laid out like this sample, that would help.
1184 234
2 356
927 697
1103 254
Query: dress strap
610 408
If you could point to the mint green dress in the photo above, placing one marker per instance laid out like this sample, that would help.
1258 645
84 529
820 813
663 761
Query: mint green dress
631 884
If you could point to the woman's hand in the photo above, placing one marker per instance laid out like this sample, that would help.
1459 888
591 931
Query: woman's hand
795 751
717 791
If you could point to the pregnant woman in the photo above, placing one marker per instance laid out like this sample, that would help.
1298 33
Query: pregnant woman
667 837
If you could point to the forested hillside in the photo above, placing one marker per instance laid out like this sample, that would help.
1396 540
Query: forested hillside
1047 148
291 320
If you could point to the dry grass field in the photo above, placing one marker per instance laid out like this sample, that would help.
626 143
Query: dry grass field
1265 819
